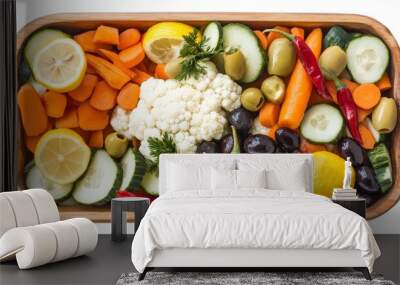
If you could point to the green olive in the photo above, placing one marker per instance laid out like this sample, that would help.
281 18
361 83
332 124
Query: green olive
384 116
281 57
234 64
252 99
116 144
273 88
334 60
173 67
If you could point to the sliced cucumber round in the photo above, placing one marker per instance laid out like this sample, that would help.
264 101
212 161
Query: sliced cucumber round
133 168
150 183
100 181
34 179
40 39
322 124
367 58
241 37
213 33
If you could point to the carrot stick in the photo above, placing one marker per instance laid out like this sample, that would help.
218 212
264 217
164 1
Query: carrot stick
90 70
83 92
299 88
330 85
91 119
298 32
106 35
104 97
96 139
274 35
316 99
262 38
33 113
350 84
55 104
31 142
362 114
141 76
384 83
114 57
128 97
128 38
85 40
114 76
308 147
271 132
69 120
160 73
132 56
366 96
368 141
269 114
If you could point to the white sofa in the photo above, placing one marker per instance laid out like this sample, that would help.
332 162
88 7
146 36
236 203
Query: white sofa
31 231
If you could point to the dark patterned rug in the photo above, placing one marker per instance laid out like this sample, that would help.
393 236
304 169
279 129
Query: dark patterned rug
244 278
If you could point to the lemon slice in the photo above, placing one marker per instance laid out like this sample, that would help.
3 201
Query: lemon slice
60 66
163 41
62 156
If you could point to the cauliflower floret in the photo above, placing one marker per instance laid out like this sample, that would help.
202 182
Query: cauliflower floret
191 111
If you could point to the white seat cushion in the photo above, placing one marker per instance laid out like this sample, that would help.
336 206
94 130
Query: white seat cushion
40 244
23 208
45 206
7 218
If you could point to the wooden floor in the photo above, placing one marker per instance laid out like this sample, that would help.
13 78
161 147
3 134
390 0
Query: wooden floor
110 260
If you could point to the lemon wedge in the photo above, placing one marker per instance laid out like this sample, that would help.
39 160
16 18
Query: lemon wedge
60 65
62 156
328 172
163 41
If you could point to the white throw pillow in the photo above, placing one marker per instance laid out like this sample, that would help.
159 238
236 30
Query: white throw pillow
193 176
224 179
292 179
251 178
282 174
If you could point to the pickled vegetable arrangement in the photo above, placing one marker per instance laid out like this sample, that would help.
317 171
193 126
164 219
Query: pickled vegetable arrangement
131 95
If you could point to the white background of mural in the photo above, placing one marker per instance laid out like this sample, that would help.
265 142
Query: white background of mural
384 11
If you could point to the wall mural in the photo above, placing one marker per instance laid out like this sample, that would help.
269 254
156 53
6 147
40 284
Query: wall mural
99 106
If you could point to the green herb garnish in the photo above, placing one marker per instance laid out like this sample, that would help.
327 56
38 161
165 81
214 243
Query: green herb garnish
157 147
193 53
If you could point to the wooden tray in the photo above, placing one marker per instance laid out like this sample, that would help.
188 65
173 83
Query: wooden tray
83 21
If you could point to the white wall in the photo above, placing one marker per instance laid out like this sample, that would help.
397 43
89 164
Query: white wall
385 11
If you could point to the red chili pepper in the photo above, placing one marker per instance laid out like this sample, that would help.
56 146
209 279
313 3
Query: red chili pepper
308 61
347 106
124 194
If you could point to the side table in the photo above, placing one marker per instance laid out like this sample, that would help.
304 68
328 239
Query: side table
356 205
119 207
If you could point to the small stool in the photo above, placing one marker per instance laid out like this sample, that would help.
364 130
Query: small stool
119 206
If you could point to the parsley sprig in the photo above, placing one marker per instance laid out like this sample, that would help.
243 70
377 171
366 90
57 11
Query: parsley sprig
157 147
193 53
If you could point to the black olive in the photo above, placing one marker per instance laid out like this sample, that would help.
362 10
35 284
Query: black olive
24 72
259 144
366 181
241 119
287 139
207 147
350 148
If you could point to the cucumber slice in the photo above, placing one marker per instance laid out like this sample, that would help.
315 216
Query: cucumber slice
38 40
337 36
133 168
150 183
322 124
213 33
34 179
102 178
367 58
241 37
380 160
